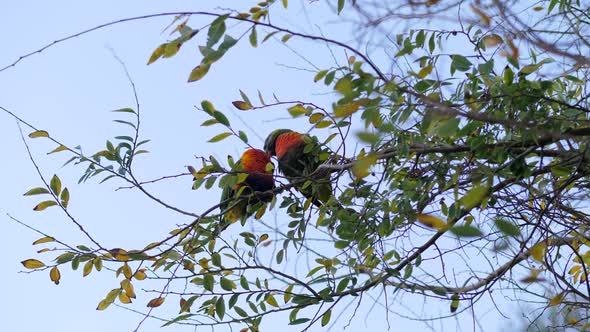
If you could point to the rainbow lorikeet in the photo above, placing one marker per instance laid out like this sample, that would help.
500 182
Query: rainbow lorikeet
259 180
298 161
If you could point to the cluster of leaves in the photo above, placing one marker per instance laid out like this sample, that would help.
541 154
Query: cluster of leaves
463 152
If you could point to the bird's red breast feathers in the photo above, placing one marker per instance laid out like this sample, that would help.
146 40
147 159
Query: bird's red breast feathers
254 160
287 141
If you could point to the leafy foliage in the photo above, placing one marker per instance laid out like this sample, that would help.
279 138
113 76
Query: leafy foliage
470 149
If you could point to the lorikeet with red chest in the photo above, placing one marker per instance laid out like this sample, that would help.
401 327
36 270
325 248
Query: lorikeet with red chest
259 180
297 161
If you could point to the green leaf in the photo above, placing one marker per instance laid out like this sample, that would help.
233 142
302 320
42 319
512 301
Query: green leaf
508 76
299 321
269 35
198 72
280 256
209 122
39 133
65 197
227 284
454 302
243 136
244 283
297 110
288 293
208 107
320 75
216 30
221 118
253 37
219 137
216 259
220 308
55 185
466 231
342 284
368 137
44 205
208 282
474 197
460 62
408 271
36 191
507 227
326 317
124 110
241 311
340 7
178 319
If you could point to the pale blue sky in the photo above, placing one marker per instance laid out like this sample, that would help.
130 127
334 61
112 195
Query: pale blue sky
69 90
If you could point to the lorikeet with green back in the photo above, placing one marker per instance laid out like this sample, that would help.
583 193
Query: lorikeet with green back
297 161
299 156
259 180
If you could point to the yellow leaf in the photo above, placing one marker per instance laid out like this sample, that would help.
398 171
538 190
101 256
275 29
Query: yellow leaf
362 167
127 271
538 251
297 110
97 261
103 305
242 16
575 269
39 133
260 212
44 240
286 38
183 306
242 105
140 274
556 300
262 238
198 72
153 303
425 71
32 264
351 59
204 263
87 268
316 117
492 40
171 49
432 221
533 277
324 124
158 52
58 149
342 111
272 301
128 288
123 298
44 205
484 18
54 275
